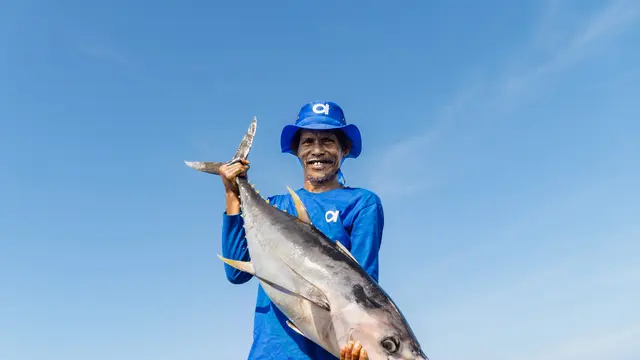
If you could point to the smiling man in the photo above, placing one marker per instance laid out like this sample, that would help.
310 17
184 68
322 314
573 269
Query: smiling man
321 139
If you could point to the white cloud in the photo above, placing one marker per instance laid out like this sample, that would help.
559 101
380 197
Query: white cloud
617 344
543 286
596 30
574 309
555 48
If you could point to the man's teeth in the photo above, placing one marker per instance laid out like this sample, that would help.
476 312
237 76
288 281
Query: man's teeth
319 162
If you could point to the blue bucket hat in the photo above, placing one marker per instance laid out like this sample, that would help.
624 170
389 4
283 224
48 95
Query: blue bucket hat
322 115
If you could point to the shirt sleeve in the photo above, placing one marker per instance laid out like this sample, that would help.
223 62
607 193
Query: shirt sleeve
366 237
234 247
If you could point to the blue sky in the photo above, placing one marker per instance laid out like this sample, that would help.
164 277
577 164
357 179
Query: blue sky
501 137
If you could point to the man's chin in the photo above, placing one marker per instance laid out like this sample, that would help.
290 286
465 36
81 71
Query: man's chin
319 177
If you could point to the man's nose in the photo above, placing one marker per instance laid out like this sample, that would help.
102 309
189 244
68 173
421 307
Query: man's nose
317 149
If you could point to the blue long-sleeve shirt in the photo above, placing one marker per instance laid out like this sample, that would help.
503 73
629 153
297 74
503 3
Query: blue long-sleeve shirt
354 216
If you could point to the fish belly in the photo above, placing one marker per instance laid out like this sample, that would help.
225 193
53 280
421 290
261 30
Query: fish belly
278 254
272 260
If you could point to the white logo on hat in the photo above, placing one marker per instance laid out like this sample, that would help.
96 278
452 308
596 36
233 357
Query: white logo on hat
321 109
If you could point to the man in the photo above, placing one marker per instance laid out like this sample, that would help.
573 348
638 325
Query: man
320 139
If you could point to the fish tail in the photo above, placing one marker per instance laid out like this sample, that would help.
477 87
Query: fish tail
242 153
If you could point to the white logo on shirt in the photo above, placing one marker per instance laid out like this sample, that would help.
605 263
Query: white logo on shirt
331 216
321 109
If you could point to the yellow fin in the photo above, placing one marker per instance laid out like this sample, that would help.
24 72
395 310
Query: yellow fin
302 211
344 250
240 265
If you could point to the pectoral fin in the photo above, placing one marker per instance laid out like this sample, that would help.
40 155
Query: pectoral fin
302 211
313 294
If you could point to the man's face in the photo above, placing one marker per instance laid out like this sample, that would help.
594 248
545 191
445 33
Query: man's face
320 153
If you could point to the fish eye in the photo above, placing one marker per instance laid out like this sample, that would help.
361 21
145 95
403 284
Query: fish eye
390 344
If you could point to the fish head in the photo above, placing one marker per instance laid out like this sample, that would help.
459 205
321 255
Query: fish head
385 339
374 320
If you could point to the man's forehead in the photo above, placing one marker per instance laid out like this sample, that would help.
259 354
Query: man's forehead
316 133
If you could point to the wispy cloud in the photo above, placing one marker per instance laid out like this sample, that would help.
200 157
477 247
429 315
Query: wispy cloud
553 48
619 344
575 308
567 49
107 53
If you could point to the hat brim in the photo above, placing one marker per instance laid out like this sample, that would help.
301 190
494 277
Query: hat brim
350 130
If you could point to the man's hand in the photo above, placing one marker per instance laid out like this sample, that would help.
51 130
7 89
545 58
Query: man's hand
228 174
353 351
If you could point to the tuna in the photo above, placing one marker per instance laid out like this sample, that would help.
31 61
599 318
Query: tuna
316 282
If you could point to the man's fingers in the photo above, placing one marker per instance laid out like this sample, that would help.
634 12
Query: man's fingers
355 351
239 172
363 355
347 351
241 167
235 170
241 162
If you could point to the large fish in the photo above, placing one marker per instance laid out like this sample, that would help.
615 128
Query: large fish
316 282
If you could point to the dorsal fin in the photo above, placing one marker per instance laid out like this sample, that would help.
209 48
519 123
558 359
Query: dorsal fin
302 211
344 250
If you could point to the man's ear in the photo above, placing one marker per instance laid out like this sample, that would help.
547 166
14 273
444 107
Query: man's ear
346 150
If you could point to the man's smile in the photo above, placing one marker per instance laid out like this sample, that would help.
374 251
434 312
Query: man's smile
319 163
